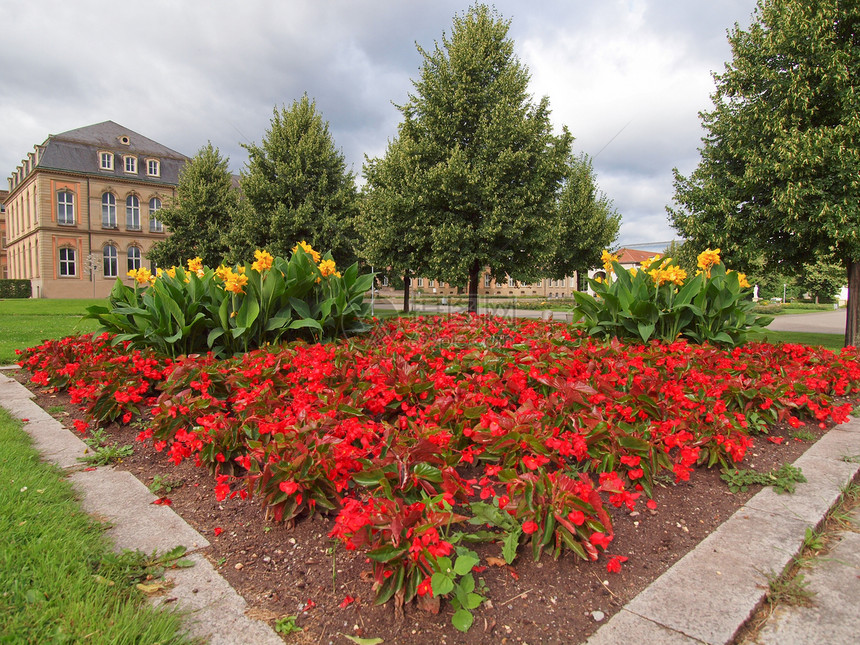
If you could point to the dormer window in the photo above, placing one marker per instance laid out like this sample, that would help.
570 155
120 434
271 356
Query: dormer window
153 168
130 164
106 160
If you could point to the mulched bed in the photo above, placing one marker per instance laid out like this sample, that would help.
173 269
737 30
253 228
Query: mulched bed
297 571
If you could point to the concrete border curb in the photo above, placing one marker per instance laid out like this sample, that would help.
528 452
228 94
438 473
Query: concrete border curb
216 612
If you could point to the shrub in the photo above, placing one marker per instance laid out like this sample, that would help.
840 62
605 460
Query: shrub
15 289
231 310
660 302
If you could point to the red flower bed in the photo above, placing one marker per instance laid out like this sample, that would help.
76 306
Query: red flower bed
431 424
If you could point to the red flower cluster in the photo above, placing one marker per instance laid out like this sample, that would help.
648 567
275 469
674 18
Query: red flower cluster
402 430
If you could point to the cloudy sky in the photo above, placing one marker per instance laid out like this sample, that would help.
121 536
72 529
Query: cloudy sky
628 77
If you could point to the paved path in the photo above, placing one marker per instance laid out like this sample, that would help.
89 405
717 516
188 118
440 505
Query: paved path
832 615
822 322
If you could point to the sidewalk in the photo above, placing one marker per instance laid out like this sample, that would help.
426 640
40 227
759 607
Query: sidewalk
706 597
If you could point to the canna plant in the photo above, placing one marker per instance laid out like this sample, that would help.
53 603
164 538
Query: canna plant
232 310
658 301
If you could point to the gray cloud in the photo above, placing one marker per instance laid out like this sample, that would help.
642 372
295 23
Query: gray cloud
184 73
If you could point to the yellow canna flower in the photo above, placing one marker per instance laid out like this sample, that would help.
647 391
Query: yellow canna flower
236 283
707 259
142 275
307 249
327 267
223 272
650 261
608 258
195 264
263 261
171 272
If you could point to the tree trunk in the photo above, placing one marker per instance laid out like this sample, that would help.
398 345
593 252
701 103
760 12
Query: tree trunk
852 315
474 274
406 281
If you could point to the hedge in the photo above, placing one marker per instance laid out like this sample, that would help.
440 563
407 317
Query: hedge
15 289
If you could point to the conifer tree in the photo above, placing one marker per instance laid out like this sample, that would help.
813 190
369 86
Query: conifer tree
296 188
199 214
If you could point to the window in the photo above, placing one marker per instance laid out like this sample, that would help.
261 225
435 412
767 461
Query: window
106 160
65 207
132 213
155 225
130 164
511 282
488 279
109 264
153 167
67 263
133 258
108 210
420 282
385 281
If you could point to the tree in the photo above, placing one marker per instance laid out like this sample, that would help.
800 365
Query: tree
586 222
199 214
296 188
822 280
483 167
779 176
391 239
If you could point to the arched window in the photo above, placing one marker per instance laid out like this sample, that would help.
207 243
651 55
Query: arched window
68 265
109 264
155 224
65 207
134 257
132 213
108 210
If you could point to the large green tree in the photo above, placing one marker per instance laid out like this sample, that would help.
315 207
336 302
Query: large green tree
585 222
199 214
296 187
392 240
779 176
483 166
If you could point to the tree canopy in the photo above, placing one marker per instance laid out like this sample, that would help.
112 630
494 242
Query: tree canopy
296 188
475 168
585 222
779 175
199 214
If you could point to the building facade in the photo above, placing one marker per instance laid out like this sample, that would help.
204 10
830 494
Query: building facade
4 269
82 209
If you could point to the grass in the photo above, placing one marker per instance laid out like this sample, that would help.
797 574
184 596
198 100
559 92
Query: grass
59 580
833 342
27 322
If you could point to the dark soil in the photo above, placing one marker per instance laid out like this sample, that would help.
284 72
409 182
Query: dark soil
298 571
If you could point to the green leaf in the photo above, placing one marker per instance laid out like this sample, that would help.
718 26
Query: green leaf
442 584
510 545
464 563
362 641
462 619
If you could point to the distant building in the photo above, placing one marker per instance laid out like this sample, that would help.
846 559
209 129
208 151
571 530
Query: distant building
82 209
4 269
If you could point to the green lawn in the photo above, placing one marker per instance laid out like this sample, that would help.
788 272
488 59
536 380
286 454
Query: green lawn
59 580
833 342
27 322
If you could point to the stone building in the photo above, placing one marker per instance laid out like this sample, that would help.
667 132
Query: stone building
82 209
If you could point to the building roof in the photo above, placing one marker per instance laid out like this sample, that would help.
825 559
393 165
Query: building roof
634 256
77 151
